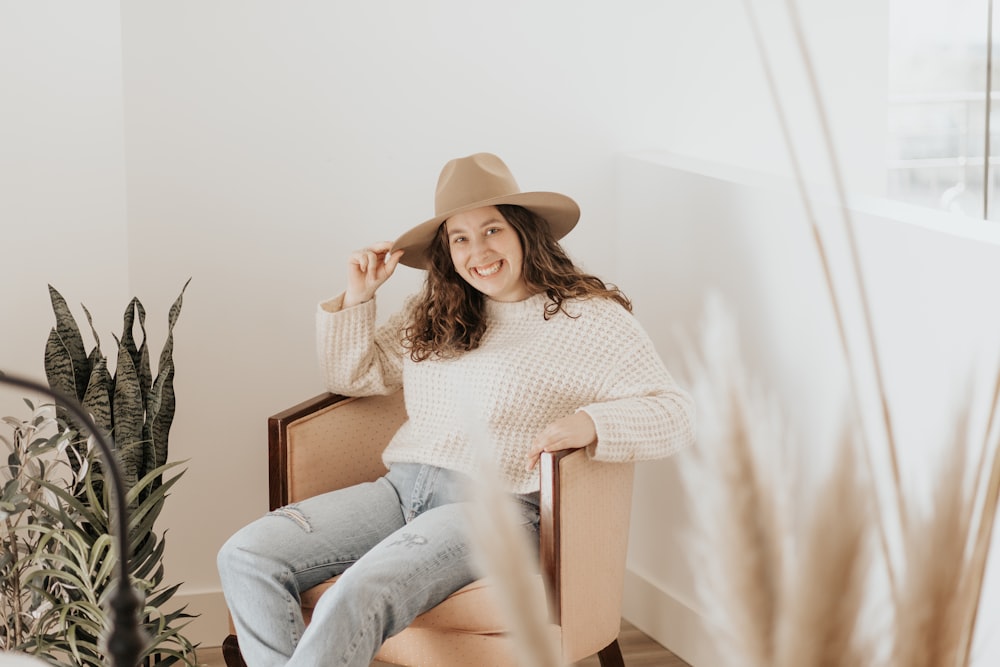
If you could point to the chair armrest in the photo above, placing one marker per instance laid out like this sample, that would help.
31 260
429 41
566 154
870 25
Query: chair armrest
329 442
585 510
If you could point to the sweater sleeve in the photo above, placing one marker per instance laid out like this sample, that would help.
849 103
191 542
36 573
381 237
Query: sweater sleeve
356 357
641 412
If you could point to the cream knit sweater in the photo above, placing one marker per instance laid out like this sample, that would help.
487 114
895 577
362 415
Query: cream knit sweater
526 373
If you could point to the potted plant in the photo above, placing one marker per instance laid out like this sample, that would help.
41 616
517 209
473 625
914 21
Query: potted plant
67 558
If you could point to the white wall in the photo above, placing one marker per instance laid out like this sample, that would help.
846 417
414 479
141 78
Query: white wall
263 141
62 177
695 84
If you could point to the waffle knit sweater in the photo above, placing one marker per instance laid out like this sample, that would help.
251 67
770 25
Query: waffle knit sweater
526 373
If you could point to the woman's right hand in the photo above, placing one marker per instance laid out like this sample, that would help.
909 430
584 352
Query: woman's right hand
367 269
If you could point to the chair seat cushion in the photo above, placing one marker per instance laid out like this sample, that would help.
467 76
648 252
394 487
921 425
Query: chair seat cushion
472 609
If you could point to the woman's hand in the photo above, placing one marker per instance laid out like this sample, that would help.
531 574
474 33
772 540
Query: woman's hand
572 432
367 269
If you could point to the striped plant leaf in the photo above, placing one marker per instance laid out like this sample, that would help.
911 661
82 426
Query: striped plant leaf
127 411
59 368
140 360
97 398
139 353
95 358
161 413
162 402
72 354
142 366
93 332
61 376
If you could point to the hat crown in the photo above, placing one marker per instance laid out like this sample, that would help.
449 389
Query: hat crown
471 179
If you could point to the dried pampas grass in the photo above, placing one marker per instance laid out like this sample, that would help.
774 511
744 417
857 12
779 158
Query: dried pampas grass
936 599
503 552
823 592
736 542
936 587
782 588
785 577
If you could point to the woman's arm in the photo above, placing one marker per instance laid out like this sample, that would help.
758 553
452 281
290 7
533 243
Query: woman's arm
356 357
639 412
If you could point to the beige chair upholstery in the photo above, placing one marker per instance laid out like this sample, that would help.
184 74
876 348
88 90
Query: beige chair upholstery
331 441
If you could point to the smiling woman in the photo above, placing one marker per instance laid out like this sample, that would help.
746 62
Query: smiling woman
552 358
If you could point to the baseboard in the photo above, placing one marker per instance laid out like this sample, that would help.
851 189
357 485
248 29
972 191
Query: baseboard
212 623
668 620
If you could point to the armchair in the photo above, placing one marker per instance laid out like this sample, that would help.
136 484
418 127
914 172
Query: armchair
585 506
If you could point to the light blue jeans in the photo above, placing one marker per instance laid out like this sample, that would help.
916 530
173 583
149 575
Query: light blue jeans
399 542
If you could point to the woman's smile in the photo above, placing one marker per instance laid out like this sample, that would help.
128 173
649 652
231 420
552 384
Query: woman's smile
489 269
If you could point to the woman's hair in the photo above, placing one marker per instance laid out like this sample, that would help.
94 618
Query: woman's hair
449 316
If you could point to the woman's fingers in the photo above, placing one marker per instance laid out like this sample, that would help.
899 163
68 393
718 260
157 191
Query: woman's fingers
571 432
371 262
367 269
392 260
371 258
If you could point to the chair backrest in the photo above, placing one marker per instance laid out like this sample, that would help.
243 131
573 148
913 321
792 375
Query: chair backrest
330 442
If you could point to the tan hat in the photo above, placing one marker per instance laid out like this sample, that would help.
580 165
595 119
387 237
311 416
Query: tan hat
482 180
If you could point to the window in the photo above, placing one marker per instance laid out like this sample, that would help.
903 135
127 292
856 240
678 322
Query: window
939 57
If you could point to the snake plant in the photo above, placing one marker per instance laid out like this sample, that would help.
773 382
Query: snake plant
134 408
72 577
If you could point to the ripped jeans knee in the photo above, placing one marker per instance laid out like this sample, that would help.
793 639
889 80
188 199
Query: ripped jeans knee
294 513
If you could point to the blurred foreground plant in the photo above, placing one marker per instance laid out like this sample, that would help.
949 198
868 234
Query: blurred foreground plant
785 567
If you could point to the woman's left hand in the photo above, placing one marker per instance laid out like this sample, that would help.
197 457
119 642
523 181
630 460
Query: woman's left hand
572 432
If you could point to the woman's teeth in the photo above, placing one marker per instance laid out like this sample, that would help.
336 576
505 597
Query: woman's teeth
484 271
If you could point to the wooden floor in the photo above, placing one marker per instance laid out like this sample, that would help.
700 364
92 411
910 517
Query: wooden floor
637 648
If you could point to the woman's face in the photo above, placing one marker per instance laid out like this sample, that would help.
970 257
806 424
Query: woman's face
487 253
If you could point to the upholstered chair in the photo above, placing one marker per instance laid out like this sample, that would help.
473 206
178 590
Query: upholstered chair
585 506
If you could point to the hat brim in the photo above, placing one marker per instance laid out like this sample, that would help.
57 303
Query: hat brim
560 211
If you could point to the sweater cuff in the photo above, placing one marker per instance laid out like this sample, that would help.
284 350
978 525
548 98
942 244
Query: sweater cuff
336 304
333 305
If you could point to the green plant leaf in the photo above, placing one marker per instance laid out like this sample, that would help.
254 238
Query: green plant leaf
128 413
139 353
93 331
97 399
59 365
71 355
162 402
145 513
163 597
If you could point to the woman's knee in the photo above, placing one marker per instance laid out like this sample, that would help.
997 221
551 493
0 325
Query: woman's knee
246 548
231 553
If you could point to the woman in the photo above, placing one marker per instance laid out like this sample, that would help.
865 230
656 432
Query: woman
551 356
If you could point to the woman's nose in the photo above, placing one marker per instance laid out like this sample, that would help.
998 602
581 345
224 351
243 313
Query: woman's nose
476 245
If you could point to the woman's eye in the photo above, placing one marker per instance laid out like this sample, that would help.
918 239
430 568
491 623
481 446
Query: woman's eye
458 239
492 230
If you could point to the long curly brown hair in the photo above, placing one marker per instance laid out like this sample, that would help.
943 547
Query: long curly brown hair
449 317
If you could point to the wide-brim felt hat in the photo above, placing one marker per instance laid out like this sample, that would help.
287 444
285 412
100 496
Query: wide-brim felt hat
481 180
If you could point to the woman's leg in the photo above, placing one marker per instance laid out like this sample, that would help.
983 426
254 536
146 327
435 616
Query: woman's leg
265 565
406 574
